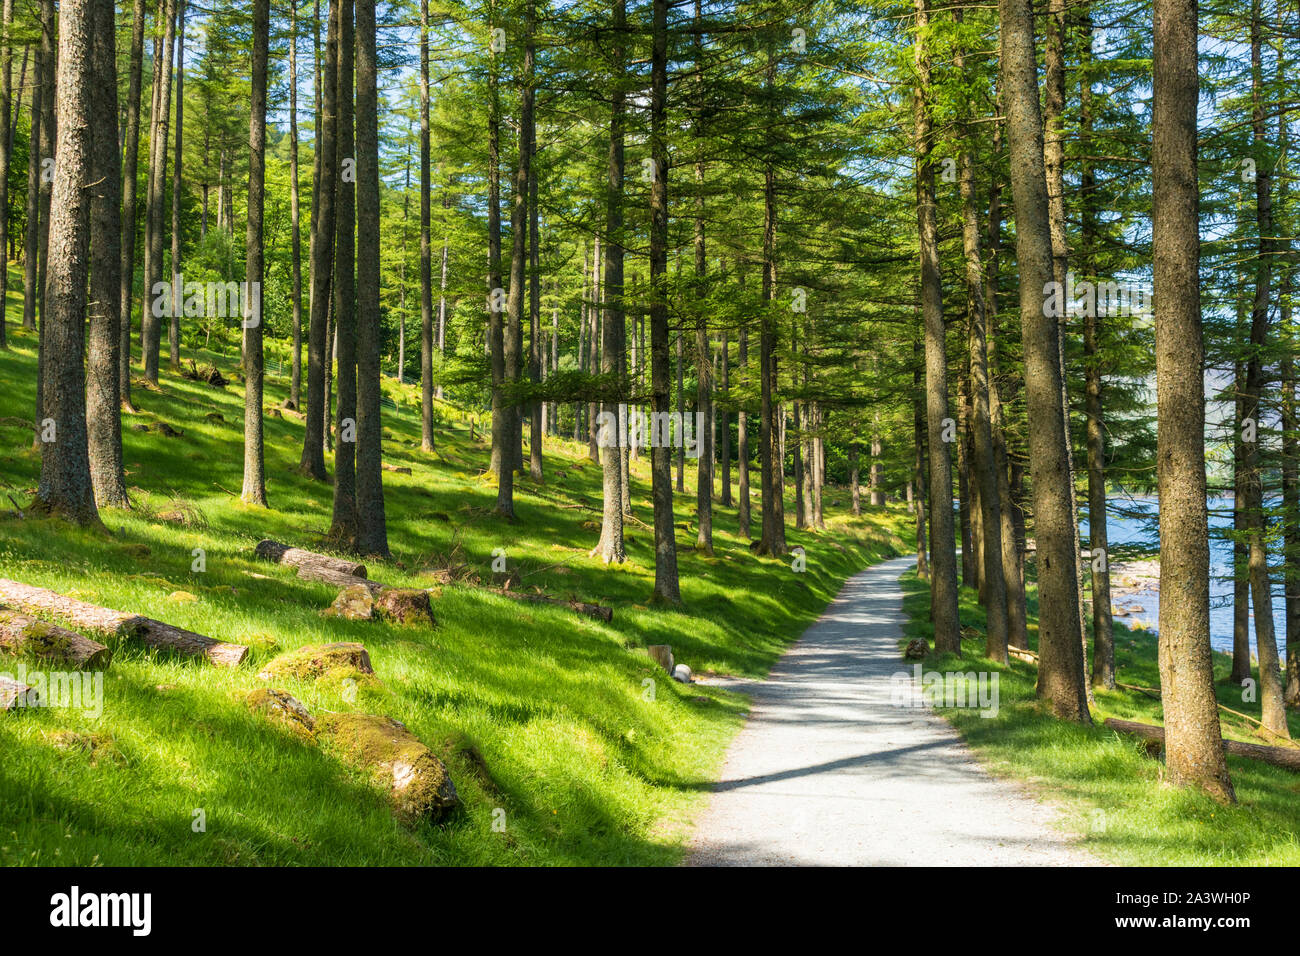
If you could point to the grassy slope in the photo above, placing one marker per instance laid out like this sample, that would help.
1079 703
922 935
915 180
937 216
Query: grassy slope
1111 793
587 770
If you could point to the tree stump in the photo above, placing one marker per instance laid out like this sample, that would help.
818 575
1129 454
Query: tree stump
662 654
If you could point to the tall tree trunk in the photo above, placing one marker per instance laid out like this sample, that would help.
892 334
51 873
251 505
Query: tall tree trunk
442 290
1103 640
174 327
501 463
518 273
920 440
611 547
965 505
31 232
65 485
103 416
1272 708
985 462
742 441
724 422
666 587
316 425
38 208
703 366
151 323
1054 170
943 558
343 527
295 228
254 490
771 450
372 524
593 345
6 151
1061 669
129 177
1193 745
426 264
536 338
1290 420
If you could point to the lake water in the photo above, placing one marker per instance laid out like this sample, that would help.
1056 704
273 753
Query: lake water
1133 521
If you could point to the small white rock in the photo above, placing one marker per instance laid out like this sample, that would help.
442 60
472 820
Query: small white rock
682 673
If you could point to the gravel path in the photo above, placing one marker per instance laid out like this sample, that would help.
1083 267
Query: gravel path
828 772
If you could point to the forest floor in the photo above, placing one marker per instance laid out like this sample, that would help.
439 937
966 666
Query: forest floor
560 727
1111 794
834 768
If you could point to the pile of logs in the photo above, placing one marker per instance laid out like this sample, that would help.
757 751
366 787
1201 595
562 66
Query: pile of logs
313 566
102 622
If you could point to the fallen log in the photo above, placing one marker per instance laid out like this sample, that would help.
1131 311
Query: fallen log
297 557
106 623
597 611
340 578
22 634
1278 756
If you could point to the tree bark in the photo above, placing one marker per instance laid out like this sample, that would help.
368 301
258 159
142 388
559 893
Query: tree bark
1061 672
174 326
1194 747
103 415
151 323
372 523
65 485
985 462
426 264
943 558
316 425
611 547
6 152
129 177
343 526
1272 707
703 364
666 586
295 228
1103 640
771 448
254 490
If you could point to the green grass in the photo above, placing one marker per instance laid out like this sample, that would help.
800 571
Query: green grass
587 770
1111 794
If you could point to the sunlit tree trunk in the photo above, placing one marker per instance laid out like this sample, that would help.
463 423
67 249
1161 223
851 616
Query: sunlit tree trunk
1061 680
254 491
1193 745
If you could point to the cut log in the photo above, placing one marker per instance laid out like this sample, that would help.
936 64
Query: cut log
23 634
297 557
598 611
415 780
1287 757
342 579
114 625
316 659
14 695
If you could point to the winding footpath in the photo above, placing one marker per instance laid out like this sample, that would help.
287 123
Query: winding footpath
828 772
